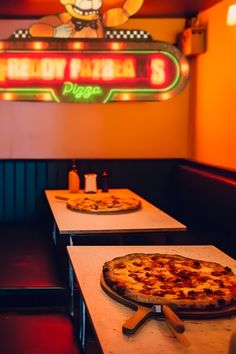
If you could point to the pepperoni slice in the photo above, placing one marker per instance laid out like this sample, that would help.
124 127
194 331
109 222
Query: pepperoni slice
120 266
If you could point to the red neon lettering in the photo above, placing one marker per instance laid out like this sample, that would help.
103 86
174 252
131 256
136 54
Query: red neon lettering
158 75
102 68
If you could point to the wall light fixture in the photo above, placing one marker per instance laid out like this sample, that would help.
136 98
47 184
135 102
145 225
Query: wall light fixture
231 15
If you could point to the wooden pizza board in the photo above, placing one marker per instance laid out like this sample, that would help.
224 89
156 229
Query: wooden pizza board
143 311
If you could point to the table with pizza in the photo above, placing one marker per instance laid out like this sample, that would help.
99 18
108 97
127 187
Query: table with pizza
127 290
120 211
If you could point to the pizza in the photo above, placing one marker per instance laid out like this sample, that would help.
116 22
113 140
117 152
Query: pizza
172 280
103 204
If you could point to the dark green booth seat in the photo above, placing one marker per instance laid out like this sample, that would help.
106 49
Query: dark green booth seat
29 270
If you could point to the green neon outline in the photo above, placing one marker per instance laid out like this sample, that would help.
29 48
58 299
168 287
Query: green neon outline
138 91
112 51
151 91
29 91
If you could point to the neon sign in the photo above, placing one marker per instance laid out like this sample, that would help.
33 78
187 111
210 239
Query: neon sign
92 73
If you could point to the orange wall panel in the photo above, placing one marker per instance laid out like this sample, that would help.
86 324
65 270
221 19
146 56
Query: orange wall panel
213 113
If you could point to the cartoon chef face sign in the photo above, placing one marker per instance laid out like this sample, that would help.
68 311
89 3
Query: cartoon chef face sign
82 19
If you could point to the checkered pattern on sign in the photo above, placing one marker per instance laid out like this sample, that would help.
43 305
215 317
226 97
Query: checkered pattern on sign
21 34
134 35
123 34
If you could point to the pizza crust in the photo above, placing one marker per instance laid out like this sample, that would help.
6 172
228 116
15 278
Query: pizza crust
172 280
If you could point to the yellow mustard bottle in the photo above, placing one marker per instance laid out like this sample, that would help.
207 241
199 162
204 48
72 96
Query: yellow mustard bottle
73 179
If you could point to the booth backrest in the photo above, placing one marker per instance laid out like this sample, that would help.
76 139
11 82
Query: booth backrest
205 200
22 182
205 196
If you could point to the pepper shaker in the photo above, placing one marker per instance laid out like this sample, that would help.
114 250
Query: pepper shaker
105 182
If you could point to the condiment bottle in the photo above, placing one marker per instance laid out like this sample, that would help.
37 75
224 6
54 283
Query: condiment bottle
104 181
73 179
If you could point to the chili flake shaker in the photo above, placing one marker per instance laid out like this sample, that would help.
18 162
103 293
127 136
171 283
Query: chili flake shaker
104 180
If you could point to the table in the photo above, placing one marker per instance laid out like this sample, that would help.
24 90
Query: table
154 337
147 219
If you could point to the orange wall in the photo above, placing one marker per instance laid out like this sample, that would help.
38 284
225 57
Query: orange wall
213 93
127 130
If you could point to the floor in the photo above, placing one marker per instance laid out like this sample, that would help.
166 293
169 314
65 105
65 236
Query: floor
92 347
